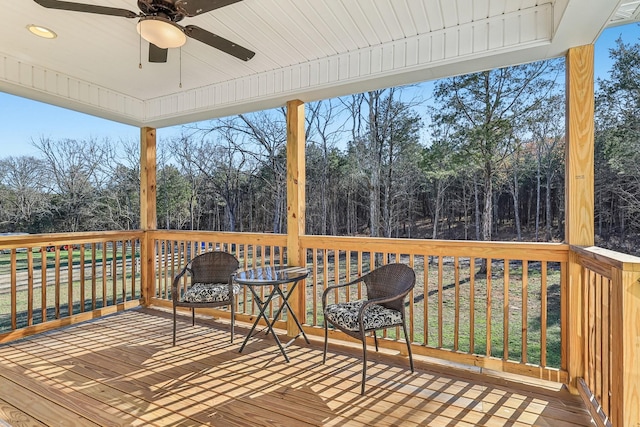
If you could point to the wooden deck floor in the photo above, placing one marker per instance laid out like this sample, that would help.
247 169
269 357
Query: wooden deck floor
122 370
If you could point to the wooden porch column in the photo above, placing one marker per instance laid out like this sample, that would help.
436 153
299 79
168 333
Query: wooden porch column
148 218
296 180
579 204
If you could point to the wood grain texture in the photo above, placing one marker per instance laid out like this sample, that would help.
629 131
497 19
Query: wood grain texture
148 213
579 159
100 373
610 327
296 181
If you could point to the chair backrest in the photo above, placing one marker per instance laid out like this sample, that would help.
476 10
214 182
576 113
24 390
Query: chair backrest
390 280
213 267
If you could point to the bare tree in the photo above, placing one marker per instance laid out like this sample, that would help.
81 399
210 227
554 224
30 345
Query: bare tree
260 137
25 201
76 172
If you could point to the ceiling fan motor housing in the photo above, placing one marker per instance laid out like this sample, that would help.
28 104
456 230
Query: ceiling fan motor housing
163 8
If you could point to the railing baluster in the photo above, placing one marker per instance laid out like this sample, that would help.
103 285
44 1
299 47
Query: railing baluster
505 312
82 279
123 269
606 348
472 307
114 271
43 283
57 283
425 300
70 280
525 309
14 290
488 308
440 300
314 286
411 302
598 339
93 276
543 314
104 273
29 287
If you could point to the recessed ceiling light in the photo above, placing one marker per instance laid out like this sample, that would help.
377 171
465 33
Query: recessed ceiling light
41 31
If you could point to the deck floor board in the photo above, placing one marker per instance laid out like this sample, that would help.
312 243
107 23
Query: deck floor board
122 370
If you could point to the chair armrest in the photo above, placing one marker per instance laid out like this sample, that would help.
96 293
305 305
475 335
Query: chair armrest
176 281
342 285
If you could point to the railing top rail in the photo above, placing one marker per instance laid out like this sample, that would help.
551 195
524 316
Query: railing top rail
621 261
499 250
23 240
224 236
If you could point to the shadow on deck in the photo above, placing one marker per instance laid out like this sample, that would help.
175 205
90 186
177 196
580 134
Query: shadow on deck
122 370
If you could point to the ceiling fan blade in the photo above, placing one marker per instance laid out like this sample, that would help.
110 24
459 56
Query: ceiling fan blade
157 54
218 42
89 8
197 7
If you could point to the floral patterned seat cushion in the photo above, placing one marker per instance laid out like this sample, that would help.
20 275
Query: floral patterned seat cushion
345 314
209 292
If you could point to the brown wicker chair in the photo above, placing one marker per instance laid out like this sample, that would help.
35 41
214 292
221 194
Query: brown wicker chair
382 308
211 285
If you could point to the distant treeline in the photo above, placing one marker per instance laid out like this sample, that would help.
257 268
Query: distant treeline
478 157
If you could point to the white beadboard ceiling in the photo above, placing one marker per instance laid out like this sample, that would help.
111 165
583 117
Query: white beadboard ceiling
305 49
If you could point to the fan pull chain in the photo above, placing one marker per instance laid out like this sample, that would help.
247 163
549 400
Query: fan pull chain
140 51
180 85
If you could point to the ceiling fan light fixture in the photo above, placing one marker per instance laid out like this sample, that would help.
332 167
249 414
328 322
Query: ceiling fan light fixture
41 31
161 32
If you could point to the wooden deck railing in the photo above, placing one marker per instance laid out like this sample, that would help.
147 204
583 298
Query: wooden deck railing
507 318
494 305
611 329
50 280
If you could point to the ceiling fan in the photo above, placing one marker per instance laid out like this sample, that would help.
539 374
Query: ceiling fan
158 23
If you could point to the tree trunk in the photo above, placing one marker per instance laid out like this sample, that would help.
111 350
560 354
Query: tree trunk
549 218
516 206
538 187
436 213
477 206
487 214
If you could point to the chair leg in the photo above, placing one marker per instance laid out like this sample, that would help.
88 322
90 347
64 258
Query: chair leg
364 362
326 333
375 339
193 316
233 315
406 337
174 325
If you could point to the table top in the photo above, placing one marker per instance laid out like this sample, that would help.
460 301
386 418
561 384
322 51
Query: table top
270 275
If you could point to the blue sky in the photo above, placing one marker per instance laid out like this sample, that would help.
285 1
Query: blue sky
23 120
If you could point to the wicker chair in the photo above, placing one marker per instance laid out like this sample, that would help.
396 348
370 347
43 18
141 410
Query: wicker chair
211 285
383 307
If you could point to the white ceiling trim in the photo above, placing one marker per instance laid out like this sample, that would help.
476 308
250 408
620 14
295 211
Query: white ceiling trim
329 77
31 81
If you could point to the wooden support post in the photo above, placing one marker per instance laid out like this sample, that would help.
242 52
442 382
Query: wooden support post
296 180
579 205
148 218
